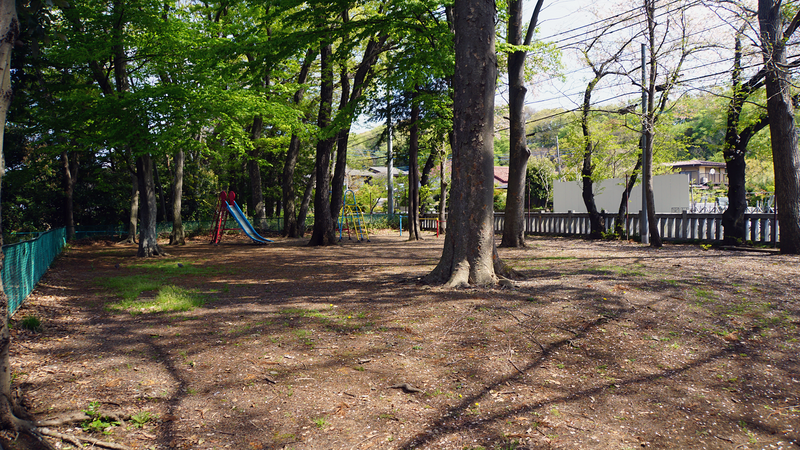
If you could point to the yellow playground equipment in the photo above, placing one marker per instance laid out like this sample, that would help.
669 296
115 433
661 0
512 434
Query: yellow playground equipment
351 218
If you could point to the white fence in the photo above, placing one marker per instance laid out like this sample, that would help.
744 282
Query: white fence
762 228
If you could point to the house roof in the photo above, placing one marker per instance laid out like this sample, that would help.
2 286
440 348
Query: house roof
359 173
696 163
382 170
501 174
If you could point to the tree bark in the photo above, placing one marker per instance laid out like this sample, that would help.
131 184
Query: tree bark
257 206
9 27
413 175
587 170
514 228
347 106
650 123
290 222
467 256
148 233
133 217
430 163
178 235
323 233
70 178
340 166
442 193
733 217
303 213
619 229
735 147
162 203
785 155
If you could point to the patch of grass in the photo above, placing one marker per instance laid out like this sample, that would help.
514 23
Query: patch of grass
555 258
704 295
130 287
31 323
152 275
141 418
173 268
300 312
614 270
168 299
321 422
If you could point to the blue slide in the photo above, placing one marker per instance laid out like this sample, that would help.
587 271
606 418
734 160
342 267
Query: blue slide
247 227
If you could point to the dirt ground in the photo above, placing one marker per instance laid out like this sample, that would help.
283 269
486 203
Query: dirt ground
606 345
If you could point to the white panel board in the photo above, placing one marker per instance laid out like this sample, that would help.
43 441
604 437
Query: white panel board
671 195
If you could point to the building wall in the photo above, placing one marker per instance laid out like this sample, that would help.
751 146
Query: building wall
671 195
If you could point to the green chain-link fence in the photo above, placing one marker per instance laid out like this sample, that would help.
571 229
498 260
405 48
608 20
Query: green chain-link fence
26 262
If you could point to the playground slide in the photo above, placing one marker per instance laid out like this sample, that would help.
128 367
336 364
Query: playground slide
247 227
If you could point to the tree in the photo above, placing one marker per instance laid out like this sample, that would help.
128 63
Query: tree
514 229
323 233
785 154
600 70
659 84
414 233
467 257
10 28
735 147
177 236
290 222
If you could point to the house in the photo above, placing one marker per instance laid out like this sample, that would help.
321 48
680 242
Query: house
355 178
706 173
381 171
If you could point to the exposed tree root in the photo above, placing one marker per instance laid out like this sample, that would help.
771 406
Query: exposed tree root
67 419
504 270
78 442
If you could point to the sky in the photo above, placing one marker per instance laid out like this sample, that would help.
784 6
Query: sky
568 21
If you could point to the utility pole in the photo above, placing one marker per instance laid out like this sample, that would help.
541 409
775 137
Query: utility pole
389 157
644 229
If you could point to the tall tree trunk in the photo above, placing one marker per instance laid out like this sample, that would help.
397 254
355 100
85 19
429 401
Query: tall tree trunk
430 163
733 217
133 217
735 146
587 171
442 193
303 211
413 174
785 155
290 222
514 228
9 27
619 228
323 233
467 256
162 203
340 166
257 207
647 182
148 233
70 178
178 235
347 106
290 228
649 134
